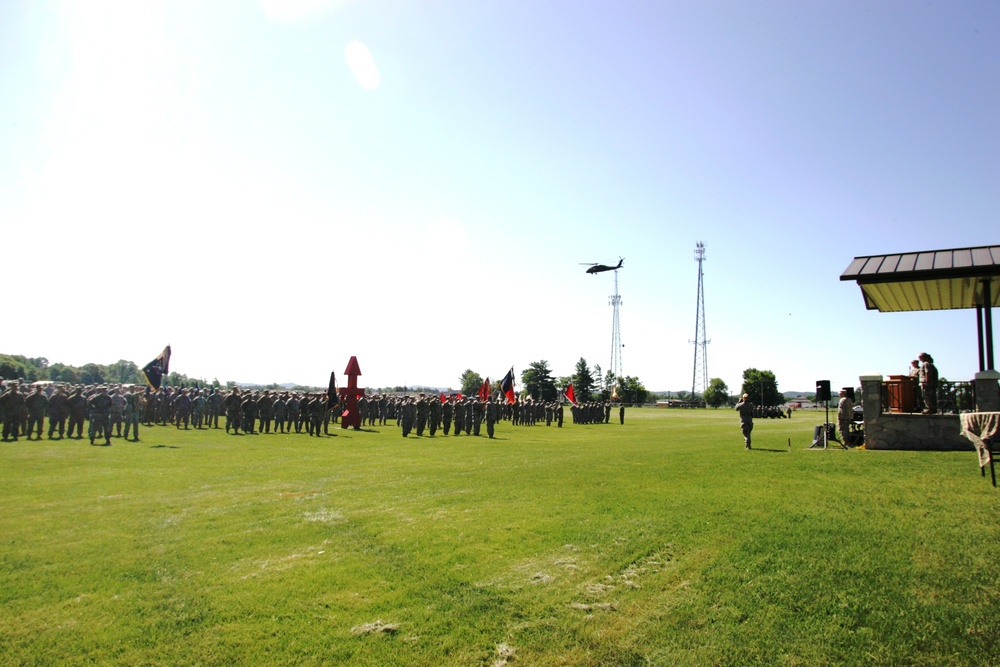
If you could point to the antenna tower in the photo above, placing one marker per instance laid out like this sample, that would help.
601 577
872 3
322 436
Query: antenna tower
699 381
616 337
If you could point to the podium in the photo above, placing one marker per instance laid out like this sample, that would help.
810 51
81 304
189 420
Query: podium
901 393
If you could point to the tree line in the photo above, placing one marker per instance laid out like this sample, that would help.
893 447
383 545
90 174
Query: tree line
589 384
761 386
18 367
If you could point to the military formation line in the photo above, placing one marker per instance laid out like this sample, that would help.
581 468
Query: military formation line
117 411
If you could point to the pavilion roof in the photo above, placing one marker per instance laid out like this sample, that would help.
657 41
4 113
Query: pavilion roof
928 280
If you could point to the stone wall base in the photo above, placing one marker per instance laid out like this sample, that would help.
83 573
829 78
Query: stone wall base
916 433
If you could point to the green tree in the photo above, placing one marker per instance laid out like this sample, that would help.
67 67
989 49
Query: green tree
762 387
537 381
124 372
63 373
632 391
608 384
717 393
470 381
15 366
92 374
583 381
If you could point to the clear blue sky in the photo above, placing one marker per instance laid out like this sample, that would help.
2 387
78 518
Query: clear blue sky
272 187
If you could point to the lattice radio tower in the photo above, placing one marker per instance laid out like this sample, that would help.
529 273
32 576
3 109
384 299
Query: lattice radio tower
616 337
699 377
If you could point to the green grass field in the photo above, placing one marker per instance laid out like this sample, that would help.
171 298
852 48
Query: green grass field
660 542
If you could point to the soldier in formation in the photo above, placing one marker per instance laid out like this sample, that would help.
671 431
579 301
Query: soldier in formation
36 402
99 408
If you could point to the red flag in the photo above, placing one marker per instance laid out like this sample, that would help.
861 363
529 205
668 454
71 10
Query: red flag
444 399
507 386
570 395
484 390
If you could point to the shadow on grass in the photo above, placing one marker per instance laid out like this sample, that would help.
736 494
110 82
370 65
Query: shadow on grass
164 447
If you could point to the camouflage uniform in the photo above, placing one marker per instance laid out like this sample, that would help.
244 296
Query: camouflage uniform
36 402
278 411
492 414
447 412
433 414
58 411
292 407
745 408
11 403
198 407
248 408
231 404
134 409
214 408
265 409
117 412
408 412
77 413
99 405
477 415
422 411
182 409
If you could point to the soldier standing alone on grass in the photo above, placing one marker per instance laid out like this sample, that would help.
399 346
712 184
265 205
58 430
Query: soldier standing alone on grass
745 408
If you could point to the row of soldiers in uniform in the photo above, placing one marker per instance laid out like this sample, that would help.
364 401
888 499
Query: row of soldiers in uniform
771 412
67 410
595 412
467 414
111 409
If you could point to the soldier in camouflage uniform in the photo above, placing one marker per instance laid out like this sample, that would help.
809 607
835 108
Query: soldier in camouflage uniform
36 402
117 412
99 405
214 408
265 410
11 403
422 411
198 407
433 414
408 414
58 412
182 409
459 416
317 411
248 409
231 404
447 413
77 404
134 408
278 411
492 415
477 415
383 409
293 406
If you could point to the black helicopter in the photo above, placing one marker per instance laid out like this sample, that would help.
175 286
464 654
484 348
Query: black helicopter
601 268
